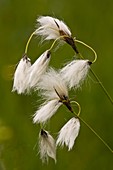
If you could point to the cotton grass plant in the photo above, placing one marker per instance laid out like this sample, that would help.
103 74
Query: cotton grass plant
53 86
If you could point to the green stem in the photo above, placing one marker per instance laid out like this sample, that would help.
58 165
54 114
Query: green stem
102 86
95 54
98 136
79 108
26 48
54 42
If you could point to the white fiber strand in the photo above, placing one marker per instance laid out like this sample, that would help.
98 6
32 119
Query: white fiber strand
69 133
50 82
38 69
75 73
20 75
46 111
50 27
47 146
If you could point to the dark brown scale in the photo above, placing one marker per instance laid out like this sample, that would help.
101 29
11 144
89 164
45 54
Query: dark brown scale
89 62
64 99
57 24
68 105
43 133
24 56
69 40
48 54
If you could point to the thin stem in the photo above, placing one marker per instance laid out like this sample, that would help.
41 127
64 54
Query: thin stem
54 42
95 54
26 48
102 86
98 136
79 108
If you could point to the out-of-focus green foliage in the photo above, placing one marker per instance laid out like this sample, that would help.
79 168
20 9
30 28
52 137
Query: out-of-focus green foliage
90 21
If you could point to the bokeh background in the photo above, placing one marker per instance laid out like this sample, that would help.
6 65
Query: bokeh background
90 21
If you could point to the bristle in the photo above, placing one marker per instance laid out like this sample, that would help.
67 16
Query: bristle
38 69
47 147
50 82
69 133
50 27
20 82
75 73
46 111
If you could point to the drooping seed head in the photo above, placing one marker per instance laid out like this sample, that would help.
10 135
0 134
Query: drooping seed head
69 133
21 72
47 147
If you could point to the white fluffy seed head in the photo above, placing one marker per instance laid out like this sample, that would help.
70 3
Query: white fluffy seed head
75 73
20 75
51 28
50 83
47 147
46 111
38 69
69 133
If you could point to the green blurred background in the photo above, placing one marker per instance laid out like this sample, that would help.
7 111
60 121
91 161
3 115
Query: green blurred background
90 21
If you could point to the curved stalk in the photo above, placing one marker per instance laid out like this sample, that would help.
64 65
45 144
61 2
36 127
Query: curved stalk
27 45
79 108
95 54
96 77
54 42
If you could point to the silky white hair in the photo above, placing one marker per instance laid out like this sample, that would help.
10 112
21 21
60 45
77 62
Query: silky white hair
69 133
51 85
20 75
38 69
46 111
50 27
75 73
47 147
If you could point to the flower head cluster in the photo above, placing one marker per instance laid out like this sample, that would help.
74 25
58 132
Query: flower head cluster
52 85
54 90
53 28
27 76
